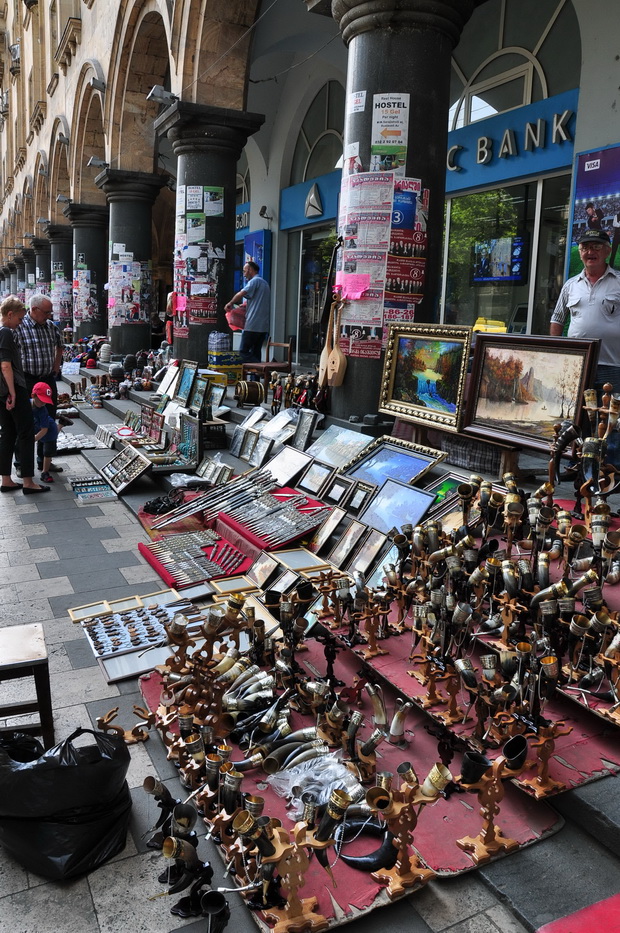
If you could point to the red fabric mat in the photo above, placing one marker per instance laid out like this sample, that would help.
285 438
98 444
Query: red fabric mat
167 576
440 823
590 751
602 917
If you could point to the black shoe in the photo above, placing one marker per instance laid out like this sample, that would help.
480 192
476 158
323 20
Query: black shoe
64 421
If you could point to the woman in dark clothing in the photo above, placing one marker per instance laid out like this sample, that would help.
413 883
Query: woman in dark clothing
16 421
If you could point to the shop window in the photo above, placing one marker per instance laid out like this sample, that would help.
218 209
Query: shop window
319 145
489 258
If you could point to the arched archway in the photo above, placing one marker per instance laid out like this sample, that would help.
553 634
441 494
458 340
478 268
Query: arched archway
89 135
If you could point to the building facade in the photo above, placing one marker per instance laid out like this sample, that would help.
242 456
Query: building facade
151 147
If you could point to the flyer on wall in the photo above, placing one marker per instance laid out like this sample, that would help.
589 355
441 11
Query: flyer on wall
390 129
597 202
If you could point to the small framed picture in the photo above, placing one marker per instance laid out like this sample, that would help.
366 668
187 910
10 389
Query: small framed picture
336 490
216 394
299 558
162 404
285 582
236 441
305 428
326 530
199 390
287 465
262 449
253 417
263 569
396 503
169 381
315 477
248 444
360 497
186 381
346 543
228 585
364 558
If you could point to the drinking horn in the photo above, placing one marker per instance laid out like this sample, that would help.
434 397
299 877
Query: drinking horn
383 857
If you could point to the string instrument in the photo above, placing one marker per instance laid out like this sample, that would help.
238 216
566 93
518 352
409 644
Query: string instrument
326 325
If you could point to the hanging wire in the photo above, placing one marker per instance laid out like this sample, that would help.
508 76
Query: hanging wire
234 45
286 70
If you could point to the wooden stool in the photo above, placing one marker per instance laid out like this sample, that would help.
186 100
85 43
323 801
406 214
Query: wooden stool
23 654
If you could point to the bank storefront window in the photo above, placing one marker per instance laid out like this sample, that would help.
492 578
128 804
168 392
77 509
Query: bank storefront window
502 267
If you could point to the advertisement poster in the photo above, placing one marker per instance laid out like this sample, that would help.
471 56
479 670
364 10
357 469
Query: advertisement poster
125 292
597 201
180 200
198 268
390 128
82 310
368 190
195 227
213 202
61 296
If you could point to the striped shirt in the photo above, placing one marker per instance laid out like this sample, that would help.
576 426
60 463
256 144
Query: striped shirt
38 344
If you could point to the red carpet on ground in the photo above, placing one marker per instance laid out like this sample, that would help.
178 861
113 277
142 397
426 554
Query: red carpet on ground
602 917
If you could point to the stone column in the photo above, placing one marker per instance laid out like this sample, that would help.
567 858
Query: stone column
21 276
30 273
207 142
6 279
12 275
90 267
130 198
61 259
42 258
400 48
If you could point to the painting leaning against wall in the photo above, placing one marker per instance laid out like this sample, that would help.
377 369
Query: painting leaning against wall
522 386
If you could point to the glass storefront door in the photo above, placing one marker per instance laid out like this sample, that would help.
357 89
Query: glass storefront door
316 252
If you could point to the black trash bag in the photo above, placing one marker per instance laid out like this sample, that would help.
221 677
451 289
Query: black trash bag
20 746
66 812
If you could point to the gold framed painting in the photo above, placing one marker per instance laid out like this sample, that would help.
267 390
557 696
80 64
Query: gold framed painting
424 373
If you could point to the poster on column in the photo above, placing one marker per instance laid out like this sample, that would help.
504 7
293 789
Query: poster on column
61 297
124 294
406 263
597 202
213 201
390 128
198 268
81 296
361 326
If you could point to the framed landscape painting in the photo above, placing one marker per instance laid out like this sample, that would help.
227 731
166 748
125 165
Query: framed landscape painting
521 386
392 458
424 373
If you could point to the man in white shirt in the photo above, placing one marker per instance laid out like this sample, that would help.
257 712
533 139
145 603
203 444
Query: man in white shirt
592 299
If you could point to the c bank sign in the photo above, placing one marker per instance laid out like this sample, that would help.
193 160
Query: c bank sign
531 140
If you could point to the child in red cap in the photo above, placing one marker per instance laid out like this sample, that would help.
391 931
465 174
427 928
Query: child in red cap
45 427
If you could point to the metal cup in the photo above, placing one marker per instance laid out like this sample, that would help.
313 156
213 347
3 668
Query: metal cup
438 777
195 746
407 774
254 805
579 625
550 667
489 665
